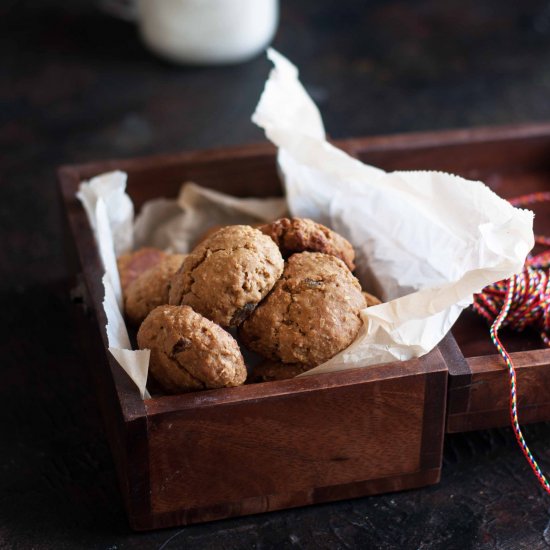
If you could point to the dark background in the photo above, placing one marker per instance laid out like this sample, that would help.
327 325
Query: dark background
76 85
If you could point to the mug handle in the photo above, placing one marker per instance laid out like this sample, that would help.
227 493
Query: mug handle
123 9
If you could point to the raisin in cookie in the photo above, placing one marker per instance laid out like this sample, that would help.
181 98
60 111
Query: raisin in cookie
227 275
311 314
303 235
189 352
151 288
132 265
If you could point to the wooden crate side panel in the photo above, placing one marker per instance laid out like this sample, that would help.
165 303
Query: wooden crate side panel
270 503
489 391
243 172
247 177
286 445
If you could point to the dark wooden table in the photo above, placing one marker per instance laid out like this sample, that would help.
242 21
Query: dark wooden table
75 86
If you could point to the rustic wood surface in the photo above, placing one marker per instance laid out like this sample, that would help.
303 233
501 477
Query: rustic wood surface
76 86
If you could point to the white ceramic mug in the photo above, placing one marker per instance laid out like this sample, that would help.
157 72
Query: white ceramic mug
202 31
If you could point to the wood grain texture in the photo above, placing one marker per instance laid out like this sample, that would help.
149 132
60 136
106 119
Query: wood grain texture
286 444
489 390
303 443
203 457
282 501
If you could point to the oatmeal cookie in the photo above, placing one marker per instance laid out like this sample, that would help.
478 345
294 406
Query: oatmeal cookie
303 235
151 288
269 371
311 314
189 352
133 264
215 228
228 274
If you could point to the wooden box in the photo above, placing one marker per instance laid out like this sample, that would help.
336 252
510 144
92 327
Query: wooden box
229 452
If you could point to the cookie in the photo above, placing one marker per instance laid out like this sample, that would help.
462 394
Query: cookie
303 235
371 299
132 265
189 352
228 274
311 314
213 229
269 371
151 288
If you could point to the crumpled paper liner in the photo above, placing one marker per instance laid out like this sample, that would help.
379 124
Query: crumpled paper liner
425 241
175 225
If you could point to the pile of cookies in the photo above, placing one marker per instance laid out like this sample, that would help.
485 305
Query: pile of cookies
285 289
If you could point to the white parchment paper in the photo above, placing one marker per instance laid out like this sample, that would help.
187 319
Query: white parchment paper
425 241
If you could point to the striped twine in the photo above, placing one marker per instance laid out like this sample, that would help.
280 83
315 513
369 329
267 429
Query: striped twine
519 302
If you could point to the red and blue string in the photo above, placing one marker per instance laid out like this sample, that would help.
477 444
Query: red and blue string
519 302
